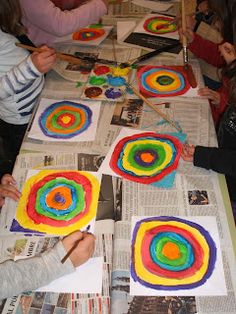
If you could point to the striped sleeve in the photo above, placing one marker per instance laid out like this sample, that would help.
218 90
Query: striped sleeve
18 78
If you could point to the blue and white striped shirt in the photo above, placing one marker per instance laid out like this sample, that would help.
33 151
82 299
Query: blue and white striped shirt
20 82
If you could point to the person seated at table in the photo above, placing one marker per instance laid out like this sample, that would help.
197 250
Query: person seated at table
35 272
21 79
211 53
222 159
45 22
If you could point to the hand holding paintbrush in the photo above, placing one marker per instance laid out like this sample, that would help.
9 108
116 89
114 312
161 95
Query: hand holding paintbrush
79 246
187 67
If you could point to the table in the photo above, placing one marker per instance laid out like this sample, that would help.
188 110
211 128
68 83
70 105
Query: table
122 199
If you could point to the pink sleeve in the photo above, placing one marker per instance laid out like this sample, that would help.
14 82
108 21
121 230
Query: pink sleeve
207 51
46 16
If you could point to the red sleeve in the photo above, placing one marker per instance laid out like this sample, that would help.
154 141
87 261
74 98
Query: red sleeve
206 50
217 111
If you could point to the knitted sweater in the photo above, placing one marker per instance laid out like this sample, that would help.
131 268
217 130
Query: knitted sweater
45 22
20 82
32 273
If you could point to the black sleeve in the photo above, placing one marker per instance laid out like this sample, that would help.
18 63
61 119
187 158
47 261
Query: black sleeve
217 159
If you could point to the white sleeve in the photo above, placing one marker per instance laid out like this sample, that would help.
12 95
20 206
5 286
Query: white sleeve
18 78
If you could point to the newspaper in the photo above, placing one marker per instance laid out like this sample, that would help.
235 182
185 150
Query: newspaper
17 247
196 192
20 247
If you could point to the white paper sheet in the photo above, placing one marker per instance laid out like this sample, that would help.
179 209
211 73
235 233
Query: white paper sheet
86 279
105 167
140 29
87 135
123 28
215 285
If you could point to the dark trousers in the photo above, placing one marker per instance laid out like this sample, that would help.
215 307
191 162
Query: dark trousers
12 136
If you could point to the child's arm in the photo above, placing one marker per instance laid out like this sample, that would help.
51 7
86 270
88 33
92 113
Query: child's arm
218 159
35 272
206 50
46 16
28 70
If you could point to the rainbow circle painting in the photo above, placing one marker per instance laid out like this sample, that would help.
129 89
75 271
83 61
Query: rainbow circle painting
160 25
162 81
88 34
146 157
65 119
170 253
58 202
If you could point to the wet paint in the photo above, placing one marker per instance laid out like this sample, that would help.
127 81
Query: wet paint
116 80
93 92
101 70
113 93
97 80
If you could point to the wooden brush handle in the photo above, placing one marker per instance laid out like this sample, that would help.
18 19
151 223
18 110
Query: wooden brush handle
61 56
163 115
183 14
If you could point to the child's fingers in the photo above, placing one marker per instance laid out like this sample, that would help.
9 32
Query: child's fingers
8 179
10 191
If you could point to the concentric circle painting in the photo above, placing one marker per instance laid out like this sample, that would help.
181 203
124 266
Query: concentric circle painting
58 202
160 25
171 253
65 119
162 81
146 157
88 34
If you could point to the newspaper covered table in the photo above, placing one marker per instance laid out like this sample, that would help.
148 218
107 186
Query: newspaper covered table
120 200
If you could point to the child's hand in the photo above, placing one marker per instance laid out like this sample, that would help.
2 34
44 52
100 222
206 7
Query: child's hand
83 251
7 189
188 33
228 52
44 60
210 94
188 152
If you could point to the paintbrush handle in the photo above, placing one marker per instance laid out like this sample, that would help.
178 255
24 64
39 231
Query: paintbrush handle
61 56
163 115
184 27
185 43
71 250
154 53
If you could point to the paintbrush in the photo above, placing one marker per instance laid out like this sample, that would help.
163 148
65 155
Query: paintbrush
68 57
148 55
187 67
160 113
74 246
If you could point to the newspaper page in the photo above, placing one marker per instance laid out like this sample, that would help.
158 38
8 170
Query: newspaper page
20 247
196 192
